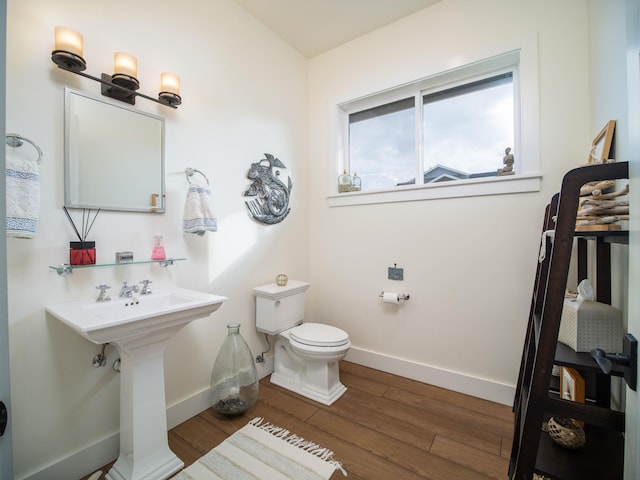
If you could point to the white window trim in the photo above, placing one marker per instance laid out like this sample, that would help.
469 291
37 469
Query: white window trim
472 187
527 136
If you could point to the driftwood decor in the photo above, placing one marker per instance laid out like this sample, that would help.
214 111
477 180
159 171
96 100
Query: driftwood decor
271 204
600 208
601 211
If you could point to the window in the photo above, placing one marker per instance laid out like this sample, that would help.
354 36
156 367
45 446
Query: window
448 130
467 128
382 147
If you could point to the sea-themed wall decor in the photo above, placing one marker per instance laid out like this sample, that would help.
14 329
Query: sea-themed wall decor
271 204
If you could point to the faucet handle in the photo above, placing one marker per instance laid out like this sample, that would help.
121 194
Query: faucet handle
102 296
145 287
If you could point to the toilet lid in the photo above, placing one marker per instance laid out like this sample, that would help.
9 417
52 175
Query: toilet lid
319 335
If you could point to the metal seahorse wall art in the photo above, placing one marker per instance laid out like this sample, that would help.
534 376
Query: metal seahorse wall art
271 204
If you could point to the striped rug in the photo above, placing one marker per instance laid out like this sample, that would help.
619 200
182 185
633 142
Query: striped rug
263 451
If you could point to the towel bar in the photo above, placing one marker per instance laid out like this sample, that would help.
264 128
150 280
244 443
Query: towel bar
14 140
190 172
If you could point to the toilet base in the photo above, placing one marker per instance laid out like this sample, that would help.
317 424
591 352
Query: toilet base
311 375
325 397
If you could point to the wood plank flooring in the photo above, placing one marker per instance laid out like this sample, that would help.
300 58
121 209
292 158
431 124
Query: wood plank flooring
385 427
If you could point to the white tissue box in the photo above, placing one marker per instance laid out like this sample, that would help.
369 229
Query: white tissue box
586 324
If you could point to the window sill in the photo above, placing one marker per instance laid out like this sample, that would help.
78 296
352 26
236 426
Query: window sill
520 183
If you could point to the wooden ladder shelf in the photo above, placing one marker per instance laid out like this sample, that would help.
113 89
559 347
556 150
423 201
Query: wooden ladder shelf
533 450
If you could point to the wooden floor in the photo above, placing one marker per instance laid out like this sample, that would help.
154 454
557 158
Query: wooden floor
385 427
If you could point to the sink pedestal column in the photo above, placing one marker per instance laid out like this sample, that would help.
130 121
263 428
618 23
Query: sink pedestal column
144 447
140 330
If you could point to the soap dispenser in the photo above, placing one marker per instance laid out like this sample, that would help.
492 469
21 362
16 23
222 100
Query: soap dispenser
158 249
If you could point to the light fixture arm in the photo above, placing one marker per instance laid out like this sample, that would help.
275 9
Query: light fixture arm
118 92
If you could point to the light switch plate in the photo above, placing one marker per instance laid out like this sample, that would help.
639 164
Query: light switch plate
395 273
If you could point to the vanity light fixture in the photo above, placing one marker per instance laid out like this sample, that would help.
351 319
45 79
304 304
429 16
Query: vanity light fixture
123 84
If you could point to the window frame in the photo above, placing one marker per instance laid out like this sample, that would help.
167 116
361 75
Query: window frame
522 60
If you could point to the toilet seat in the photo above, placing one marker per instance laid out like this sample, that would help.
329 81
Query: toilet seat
319 335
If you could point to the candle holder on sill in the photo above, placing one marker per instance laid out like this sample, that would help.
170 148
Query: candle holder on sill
82 253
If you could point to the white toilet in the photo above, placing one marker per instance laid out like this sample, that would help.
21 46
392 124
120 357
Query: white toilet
306 354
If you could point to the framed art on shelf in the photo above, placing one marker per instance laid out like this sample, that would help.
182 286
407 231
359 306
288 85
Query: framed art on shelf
601 145
571 386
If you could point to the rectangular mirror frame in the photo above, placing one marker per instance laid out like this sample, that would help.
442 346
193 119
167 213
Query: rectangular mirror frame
113 155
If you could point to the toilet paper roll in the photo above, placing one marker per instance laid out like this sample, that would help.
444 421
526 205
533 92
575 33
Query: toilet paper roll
391 297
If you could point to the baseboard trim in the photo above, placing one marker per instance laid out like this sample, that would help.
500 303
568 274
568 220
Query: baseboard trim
81 463
106 450
456 381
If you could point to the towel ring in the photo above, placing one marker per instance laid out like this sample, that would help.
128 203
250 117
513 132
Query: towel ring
14 140
189 172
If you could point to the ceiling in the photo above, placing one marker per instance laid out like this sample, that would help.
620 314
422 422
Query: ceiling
315 26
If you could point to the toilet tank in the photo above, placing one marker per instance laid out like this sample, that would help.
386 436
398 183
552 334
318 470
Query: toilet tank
279 308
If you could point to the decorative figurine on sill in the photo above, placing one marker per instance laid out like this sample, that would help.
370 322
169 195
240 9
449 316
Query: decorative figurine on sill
508 161
272 204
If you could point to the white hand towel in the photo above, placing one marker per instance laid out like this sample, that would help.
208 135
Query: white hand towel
198 212
23 197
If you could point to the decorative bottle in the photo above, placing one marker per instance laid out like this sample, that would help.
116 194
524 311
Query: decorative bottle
344 182
158 249
356 182
234 379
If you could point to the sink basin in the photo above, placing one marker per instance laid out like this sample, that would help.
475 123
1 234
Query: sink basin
123 319
140 328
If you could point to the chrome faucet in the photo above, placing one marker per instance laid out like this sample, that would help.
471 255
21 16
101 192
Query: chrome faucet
128 290
102 296
145 287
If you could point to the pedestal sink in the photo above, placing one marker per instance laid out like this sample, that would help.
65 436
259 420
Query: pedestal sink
140 327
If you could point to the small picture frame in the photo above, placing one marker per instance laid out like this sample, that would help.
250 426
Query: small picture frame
601 145
572 386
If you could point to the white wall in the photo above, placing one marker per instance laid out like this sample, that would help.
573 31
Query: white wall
609 101
609 98
468 263
244 93
613 37
6 449
632 430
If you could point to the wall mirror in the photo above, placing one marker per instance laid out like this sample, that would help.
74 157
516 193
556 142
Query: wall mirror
114 156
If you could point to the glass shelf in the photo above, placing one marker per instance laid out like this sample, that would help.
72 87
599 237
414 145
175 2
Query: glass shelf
65 269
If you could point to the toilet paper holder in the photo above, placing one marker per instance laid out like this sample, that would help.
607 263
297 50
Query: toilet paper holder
401 296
